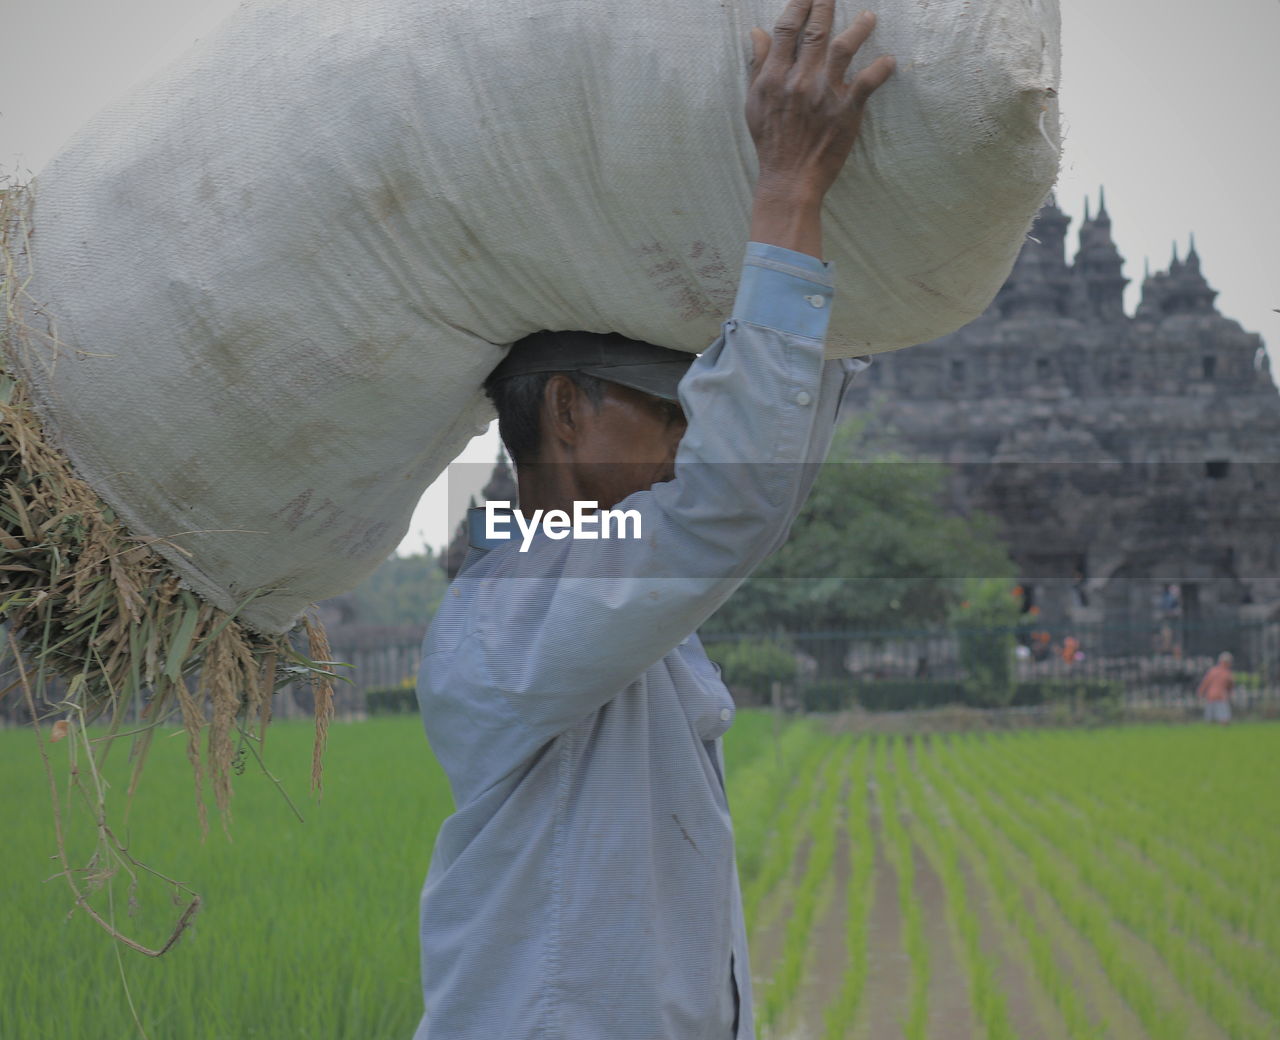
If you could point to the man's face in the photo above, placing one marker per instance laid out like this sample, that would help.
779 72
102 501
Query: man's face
627 445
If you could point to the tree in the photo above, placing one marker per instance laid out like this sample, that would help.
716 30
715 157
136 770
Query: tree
984 621
873 547
403 591
754 664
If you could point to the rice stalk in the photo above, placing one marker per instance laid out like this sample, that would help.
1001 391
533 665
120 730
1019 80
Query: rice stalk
90 604
112 856
318 645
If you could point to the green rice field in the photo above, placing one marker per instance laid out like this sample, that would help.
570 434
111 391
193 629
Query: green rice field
1111 883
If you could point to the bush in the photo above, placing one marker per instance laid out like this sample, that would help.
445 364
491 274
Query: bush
908 694
391 700
1064 691
827 695
904 694
985 623
754 665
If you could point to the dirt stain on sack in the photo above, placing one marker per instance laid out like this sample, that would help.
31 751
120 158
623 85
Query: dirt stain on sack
395 193
694 281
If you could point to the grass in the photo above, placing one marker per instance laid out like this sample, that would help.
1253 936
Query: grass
1079 850
307 929
858 898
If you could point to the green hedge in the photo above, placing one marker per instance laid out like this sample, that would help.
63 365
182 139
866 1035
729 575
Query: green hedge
908 694
1058 691
827 695
391 700
904 694
754 665
880 694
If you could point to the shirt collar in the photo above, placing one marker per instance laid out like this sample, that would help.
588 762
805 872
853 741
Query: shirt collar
476 537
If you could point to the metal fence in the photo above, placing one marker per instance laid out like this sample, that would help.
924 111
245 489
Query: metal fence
1151 663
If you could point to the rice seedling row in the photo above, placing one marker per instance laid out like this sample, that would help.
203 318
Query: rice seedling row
935 833
1099 893
902 854
1212 967
813 891
1219 837
1056 873
1076 854
791 827
843 1009
1190 900
1164 841
1006 878
764 781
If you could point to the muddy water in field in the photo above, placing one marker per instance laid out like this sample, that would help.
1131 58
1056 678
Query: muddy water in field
1031 1010
824 971
885 1002
950 1013
768 941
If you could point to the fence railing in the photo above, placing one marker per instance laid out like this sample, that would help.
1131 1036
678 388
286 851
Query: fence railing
1146 663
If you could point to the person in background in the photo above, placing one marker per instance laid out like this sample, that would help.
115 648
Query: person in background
1215 690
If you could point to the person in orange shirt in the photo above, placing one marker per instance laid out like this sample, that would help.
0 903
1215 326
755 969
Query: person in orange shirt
1215 689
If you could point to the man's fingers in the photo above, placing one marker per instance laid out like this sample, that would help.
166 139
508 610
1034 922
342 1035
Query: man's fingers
787 31
759 51
816 34
872 78
846 45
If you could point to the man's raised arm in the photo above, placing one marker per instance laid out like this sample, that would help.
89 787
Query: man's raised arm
804 117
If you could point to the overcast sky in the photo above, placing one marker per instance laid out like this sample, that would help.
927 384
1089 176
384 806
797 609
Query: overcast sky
1173 106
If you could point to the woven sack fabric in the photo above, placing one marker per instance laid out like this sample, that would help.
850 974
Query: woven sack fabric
278 272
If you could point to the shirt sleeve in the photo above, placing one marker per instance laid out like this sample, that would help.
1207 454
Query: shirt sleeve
557 631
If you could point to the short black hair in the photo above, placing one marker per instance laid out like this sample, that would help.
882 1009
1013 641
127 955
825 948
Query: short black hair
518 402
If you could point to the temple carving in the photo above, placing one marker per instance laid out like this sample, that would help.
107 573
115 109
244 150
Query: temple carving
1130 459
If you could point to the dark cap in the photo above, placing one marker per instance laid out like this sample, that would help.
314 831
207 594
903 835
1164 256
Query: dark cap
630 362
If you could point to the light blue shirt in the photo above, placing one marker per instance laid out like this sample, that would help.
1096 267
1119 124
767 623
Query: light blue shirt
585 888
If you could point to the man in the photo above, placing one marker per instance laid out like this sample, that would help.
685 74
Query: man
1215 690
585 889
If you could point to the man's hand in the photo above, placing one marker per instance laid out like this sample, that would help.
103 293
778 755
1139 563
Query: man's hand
804 117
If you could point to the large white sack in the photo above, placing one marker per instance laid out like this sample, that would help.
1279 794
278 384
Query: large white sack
280 270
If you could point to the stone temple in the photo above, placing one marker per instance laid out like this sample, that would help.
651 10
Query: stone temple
1132 460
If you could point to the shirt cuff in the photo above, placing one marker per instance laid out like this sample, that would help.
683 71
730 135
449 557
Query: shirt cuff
784 290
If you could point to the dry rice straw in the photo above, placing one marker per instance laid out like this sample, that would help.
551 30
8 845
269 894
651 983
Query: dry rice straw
97 607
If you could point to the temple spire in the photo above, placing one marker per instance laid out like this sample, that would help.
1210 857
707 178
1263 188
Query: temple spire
1039 281
1185 290
1097 282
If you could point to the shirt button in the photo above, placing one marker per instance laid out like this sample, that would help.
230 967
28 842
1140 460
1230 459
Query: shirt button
802 398
724 714
816 300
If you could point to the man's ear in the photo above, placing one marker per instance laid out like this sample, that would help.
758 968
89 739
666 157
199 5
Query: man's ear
562 401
